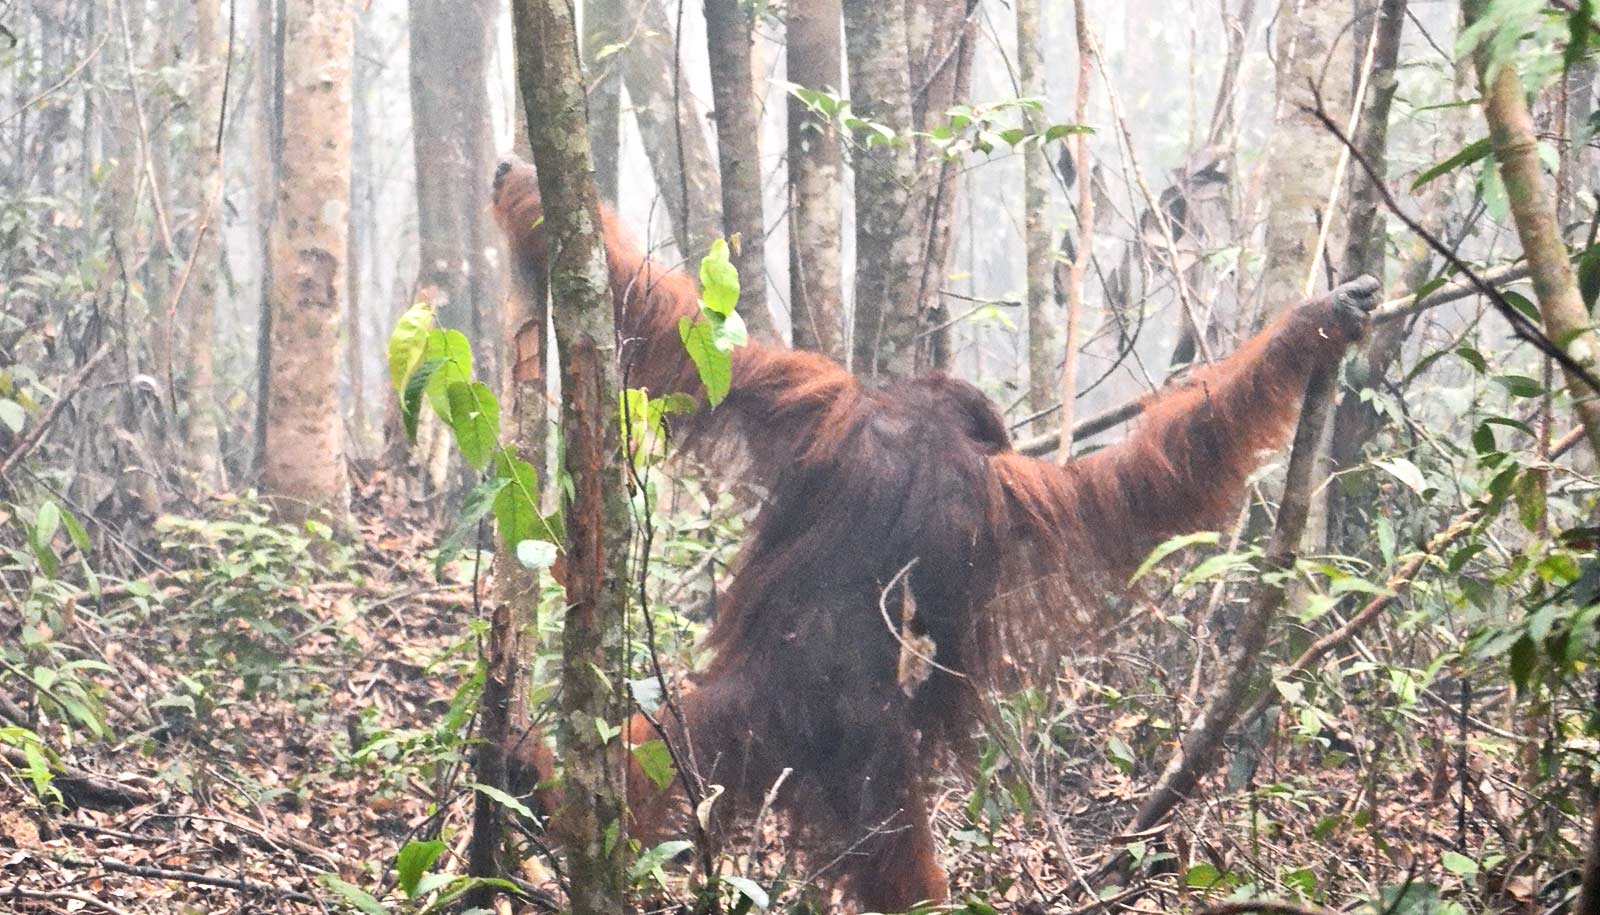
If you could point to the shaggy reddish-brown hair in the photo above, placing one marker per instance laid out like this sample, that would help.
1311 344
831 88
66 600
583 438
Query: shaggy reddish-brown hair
864 482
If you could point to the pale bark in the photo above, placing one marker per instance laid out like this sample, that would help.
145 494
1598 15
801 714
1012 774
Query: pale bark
450 49
816 182
728 37
1087 55
1035 228
596 511
940 38
888 245
363 215
198 308
688 184
1314 49
305 467
1516 150
605 102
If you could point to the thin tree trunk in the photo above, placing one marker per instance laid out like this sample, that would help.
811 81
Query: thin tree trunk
199 306
1314 49
267 155
362 217
1080 261
596 510
940 40
887 242
1035 228
1516 150
605 101
728 37
305 467
816 182
668 118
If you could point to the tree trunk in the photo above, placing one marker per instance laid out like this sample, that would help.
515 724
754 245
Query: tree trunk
1516 150
305 468
669 120
940 47
605 101
728 39
267 155
1314 49
363 216
816 182
887 242
199 305
1035 230
596 510
450 48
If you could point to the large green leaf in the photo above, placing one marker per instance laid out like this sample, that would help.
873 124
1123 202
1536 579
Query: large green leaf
710 360
515 511
414 859
411 397
475 419
452 348
1467 155
355 896
719 280
407 342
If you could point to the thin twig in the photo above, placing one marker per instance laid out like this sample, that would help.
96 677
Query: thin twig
57 87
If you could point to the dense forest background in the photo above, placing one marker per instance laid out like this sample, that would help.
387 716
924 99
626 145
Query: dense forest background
266 597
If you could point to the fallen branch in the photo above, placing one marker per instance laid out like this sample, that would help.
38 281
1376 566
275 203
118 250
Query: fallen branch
241 884
85 788
17 892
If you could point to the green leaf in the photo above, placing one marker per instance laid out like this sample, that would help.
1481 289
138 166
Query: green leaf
719 280
80 537
1209 538
1524 659
475 419
414 859
411 397
12 414
353 895
655 761
1589 276
503 799
1520 385
749 889
452 347
478 503
713 364
1579 23
1057 131
407 341
1467 155
650 861
1529 493
47 522
515 511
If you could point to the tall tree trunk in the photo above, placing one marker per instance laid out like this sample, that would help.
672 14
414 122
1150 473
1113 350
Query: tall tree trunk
597 508
1355 421
669 120
728 37
363 216
305 468
199 305
267 155
1035 229
450 48
816 182
605 100
887 242
1315 48
1516 150
940 45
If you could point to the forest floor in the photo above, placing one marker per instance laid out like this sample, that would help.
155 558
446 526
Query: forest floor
250 752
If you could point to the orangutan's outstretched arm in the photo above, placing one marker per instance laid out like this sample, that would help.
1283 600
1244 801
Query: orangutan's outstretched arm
1185 466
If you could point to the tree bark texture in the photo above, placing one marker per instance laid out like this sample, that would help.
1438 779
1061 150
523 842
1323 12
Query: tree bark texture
1516 150
199 305
305 467
450 50
816 182
596 510
1035 229
888 245
1314 49
667 116
728 37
